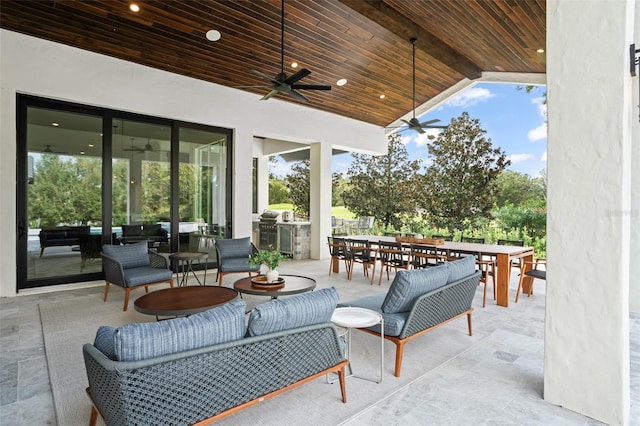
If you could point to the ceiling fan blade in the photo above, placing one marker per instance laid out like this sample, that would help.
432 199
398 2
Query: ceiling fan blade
311 86
434 127
297 76
426 123
298 96
269 95
419 130
406 122
264 76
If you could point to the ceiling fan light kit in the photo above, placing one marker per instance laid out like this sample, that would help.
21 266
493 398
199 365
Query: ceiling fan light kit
288 85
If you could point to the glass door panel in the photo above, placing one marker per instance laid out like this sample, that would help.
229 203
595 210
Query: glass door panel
141 184
64 193
202 183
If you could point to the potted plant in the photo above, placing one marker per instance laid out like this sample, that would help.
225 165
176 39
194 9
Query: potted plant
270 258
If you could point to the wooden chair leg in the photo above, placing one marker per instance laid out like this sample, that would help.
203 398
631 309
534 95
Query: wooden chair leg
220 275
127 291
519 285
106 291
94 416
469 323
399 353
343 389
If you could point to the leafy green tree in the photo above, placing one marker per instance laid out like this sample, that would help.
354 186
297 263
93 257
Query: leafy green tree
460 185
298 183
278 191
383 186
518 189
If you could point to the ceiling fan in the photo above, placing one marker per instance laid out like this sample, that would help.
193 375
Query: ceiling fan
147 148
413 123
48 150
282 83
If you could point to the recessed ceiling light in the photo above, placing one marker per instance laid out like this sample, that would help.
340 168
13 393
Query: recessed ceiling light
81 152
294 65
213 35
341 82
90 145
134 7
54 124
382 96
540 50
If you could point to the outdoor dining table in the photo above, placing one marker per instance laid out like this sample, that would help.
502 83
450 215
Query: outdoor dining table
503 254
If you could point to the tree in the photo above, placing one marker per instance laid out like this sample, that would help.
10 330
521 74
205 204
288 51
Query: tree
460 185
299 182
518 189
383 186
278 191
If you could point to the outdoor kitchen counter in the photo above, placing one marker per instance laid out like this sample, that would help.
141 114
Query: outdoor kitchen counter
293 238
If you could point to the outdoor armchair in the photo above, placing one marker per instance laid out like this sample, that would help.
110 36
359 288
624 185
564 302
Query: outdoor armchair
131 266
233 257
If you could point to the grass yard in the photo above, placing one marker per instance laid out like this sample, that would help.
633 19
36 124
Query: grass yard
340 212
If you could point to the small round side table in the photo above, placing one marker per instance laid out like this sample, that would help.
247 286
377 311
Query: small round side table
353 317
184 265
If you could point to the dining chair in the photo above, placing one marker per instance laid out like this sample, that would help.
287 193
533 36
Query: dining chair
472 240
391 255
360 251
530 269
338 251
423 256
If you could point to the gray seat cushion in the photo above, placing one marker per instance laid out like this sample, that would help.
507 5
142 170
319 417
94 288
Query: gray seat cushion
237 265
139 341
315 307
146 275
393 323
407 286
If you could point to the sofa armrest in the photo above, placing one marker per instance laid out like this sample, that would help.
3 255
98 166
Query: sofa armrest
112 270
441 304
158 260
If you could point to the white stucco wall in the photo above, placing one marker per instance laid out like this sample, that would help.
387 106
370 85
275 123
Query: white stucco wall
589 216
38 67
634 285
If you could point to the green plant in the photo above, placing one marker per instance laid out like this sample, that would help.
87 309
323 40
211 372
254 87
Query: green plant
271 258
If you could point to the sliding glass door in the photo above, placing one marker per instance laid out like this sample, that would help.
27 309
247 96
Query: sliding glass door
89 176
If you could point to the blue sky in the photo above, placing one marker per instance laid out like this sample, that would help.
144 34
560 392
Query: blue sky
515 121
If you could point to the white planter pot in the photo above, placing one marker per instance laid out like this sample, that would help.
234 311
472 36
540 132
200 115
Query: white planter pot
272 275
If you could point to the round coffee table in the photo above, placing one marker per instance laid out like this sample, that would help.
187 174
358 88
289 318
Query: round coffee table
293 284
180 301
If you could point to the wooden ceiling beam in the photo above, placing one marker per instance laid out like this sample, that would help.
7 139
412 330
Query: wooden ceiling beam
398 24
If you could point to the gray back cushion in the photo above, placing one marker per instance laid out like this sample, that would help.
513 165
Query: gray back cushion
139 341
407 286
461 268
315 307
129 255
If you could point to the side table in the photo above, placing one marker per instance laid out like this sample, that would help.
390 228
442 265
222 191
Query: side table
184 265
350 318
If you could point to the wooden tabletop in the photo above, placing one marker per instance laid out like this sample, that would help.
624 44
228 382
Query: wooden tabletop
293 284
183 300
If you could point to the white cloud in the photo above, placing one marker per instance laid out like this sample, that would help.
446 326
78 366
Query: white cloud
539 133
519 158
543 157
542 107
470 97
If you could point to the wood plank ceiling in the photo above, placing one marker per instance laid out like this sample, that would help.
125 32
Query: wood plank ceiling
364 41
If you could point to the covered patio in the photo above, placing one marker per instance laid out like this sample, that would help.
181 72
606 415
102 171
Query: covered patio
592 295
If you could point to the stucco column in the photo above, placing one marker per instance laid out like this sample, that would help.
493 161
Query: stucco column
588 237
242 183
320 194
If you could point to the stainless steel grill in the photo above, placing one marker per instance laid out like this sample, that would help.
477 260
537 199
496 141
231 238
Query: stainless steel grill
268 229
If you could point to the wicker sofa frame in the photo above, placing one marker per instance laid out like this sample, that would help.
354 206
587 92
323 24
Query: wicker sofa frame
204 385
432 310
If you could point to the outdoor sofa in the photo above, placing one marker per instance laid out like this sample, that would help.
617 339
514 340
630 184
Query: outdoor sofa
420 300
197 369
61 236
